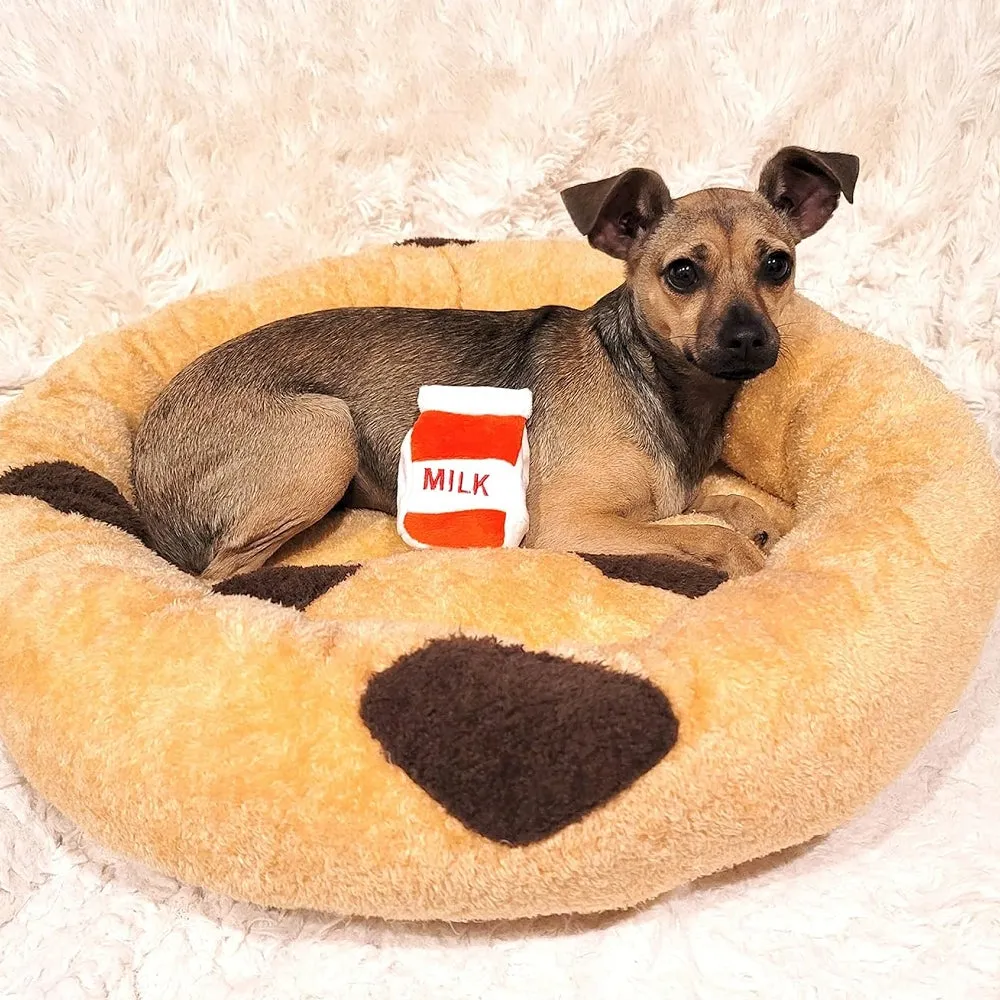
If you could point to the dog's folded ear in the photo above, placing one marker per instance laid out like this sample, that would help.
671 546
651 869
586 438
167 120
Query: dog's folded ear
615 212
805 186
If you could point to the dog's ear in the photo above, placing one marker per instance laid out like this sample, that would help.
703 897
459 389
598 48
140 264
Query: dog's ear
617 211
805 186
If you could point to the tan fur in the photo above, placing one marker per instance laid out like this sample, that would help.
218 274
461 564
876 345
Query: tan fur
728 232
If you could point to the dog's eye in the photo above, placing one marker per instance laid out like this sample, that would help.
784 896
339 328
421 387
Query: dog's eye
776 268
682 275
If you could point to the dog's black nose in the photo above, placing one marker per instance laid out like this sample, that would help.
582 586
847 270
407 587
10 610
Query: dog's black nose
743 342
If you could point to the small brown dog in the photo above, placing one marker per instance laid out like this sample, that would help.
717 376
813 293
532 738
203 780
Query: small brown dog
261 437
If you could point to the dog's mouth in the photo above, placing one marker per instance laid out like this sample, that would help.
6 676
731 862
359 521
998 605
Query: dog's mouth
726 372
730 369
740 374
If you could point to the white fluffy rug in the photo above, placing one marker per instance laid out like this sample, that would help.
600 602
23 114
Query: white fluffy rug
149 148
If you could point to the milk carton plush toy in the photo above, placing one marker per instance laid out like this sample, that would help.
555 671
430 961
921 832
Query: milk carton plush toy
463 469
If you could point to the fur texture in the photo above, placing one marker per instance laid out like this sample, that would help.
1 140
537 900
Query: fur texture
150 151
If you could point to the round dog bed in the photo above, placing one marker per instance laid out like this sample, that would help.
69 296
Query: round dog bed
483 734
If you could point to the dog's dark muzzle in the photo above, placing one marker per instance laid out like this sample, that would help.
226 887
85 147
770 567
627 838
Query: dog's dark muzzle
746 344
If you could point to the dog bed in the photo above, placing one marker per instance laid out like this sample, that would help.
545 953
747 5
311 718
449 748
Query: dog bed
483 734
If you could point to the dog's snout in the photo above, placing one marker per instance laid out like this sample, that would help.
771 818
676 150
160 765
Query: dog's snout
745 344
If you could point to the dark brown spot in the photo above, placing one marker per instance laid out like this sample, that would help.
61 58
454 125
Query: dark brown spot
699 253
688 578
433 241
516 745
291 586
73 489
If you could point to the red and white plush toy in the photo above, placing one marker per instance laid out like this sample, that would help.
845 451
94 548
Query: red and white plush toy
463 469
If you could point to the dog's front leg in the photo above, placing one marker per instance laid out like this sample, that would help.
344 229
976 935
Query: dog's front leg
709 544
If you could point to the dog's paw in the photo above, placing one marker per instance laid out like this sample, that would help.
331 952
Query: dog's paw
745 516
732 553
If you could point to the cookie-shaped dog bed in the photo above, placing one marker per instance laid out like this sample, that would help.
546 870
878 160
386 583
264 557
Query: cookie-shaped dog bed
482 734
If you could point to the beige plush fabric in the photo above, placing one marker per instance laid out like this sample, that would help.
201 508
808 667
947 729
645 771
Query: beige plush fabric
219 739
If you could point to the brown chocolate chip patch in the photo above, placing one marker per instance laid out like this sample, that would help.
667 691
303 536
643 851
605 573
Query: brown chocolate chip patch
291 586
433 241
682 577
516 745
73 489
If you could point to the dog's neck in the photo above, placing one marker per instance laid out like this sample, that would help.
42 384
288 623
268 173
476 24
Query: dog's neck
680 407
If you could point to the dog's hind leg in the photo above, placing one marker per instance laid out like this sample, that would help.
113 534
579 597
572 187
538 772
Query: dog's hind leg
282 479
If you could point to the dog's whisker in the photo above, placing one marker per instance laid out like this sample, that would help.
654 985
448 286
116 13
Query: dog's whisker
787 356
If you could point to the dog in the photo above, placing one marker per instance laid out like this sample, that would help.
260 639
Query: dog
262 436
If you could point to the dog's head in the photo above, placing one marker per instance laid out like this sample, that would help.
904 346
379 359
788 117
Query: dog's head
711 270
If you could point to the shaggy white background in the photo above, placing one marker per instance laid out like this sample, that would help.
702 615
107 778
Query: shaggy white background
153 148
